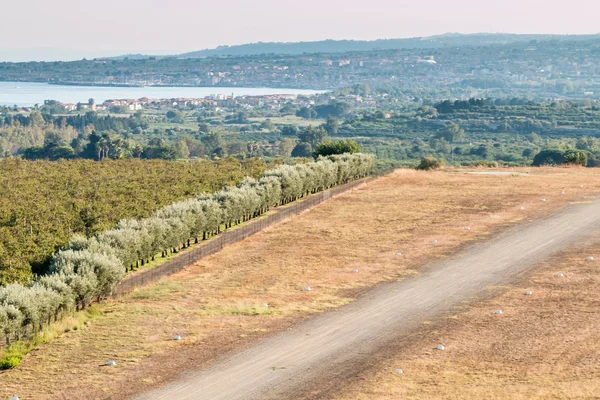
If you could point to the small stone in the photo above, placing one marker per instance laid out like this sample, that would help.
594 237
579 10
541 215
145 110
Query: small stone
543 199
559 275
434 241
529 293
398 254
14 398
264 305
87 323
522 208
440 347
468 228
177 337
355 271
399 371
590 258
563 192
307 289
498 312
111 363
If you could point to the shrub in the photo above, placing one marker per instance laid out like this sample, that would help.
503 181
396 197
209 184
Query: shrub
9 362
336 147
576 157
429 163
302 150
548 157
13 355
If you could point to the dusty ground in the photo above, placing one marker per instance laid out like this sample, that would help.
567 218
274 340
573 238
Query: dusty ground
545 345
322 353
216 304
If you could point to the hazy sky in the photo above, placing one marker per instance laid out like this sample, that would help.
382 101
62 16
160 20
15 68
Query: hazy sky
70 29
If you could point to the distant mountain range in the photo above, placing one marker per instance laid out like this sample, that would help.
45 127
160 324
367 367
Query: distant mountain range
340 46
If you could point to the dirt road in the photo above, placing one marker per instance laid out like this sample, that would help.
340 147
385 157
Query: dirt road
332 345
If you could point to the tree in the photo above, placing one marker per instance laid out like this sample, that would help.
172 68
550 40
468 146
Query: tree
332 126
306 113
286 146
549 157
312 135
576 157
268 125
336 147
289 130
429 163
335 109
302 149
451 133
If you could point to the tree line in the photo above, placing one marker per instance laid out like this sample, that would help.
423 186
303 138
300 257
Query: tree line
91 267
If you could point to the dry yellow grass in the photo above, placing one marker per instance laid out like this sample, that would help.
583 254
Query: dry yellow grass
545 345
216 304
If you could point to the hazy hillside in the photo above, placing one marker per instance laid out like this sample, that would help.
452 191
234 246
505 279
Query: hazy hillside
335 46
341 46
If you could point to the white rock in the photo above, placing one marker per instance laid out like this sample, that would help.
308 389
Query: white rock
468 228
563 192
441 347
559 275
14 398
264 305
543 199
355 271
522 208
398 254
399 371
498 312
590 258
111 363
434 241
307 289
177 337
529 293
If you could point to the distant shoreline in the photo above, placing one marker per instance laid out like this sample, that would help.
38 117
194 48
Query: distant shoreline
27 94
154 85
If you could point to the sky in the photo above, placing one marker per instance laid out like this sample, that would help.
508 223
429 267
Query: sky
73 29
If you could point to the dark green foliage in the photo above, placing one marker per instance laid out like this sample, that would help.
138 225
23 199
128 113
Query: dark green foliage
576 157
549 157
312 135
302 149
336 147
429 163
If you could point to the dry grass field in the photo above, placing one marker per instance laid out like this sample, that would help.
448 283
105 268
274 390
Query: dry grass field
545 345
217 305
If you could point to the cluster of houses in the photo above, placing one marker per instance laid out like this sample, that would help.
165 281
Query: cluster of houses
212 101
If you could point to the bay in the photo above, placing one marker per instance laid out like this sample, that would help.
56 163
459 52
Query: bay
27 94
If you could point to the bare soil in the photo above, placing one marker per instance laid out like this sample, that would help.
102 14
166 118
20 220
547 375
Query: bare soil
544 346
329 348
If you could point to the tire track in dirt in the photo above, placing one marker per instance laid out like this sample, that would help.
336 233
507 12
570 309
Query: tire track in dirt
332 345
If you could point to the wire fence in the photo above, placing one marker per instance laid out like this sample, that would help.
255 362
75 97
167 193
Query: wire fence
229 237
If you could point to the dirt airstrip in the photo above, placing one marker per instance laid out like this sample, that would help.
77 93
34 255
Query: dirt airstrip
217 305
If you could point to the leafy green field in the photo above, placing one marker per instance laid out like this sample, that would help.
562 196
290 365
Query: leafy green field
44 203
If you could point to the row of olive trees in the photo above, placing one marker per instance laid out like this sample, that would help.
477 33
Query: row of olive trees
91 268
